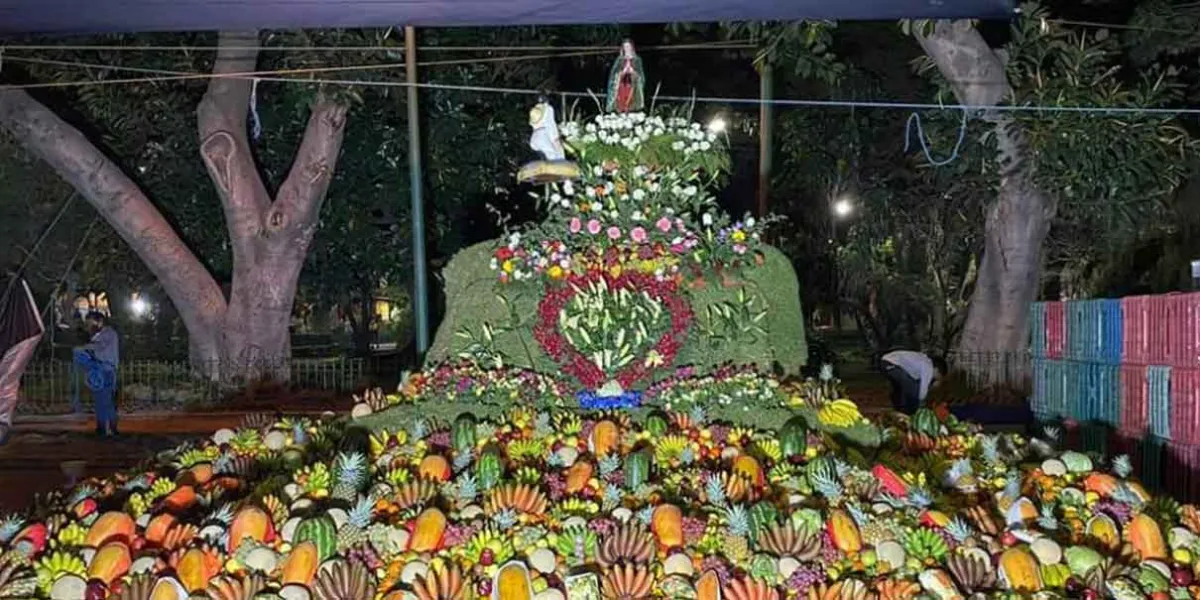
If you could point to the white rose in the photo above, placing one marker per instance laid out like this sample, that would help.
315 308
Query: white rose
566 203
590 192
705 145
677 146
637 215
639 194
750 222
568 188
707 219
556 198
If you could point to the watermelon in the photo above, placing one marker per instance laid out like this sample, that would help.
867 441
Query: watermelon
823 463
489 469
762 517
656 424
321 531
793 437
637 469
925 421
463 433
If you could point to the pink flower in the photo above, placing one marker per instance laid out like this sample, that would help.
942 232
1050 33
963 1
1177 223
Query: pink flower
614 232
663 224
576 225
638 234
593 227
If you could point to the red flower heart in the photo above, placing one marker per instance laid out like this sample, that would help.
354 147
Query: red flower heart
552 340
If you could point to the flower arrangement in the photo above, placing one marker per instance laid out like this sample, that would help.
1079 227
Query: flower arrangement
598 325
642 203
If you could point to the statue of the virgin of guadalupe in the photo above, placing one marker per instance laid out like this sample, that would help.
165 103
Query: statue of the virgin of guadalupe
626 82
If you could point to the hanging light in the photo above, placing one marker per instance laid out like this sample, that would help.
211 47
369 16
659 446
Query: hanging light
717 124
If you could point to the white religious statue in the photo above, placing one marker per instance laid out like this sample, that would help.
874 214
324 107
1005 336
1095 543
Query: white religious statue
545 138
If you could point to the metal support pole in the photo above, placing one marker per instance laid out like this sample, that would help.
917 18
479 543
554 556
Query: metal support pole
417 216
766 133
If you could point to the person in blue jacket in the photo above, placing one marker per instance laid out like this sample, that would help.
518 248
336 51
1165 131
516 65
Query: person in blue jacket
100 358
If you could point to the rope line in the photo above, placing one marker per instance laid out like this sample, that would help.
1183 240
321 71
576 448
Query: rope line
720 45
908 130
277 75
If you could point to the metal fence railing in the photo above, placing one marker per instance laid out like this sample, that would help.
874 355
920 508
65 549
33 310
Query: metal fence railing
51 387
990 377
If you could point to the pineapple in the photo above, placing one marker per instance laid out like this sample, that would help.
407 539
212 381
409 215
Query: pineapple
875 532
351 472
354 531
737 534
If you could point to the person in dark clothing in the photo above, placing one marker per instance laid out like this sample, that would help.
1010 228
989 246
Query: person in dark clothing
912 374
100 358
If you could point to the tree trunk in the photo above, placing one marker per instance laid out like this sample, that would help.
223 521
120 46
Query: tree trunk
1018 222
248 335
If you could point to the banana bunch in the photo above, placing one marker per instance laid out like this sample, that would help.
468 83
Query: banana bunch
839 413
50 568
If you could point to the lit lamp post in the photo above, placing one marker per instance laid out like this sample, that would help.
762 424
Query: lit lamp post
841 208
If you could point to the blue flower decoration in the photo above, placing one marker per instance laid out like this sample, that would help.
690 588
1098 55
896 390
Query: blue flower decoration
592 401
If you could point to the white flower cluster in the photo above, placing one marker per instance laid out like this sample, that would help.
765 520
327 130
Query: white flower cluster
631 130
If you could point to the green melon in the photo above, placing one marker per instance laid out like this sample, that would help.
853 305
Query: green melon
637 469
793 437
464 432
321 531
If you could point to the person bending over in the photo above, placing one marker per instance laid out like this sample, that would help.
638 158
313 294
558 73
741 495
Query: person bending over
912 374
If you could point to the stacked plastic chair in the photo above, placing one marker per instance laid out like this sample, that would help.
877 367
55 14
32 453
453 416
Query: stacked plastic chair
1130 367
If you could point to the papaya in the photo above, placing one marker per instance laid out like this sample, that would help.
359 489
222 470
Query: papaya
110 563
1020 570
114 525
667 524
578 476
843 531
748 467
434 467
301 564
183 498
196 568
428 530
512 583
250 522
606 437
709 586
1101 483
1146 537
157 528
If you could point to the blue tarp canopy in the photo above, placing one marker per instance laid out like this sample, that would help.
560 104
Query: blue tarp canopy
103 16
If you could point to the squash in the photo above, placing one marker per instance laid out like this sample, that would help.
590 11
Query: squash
196 568
747 466
180 500
157 528
709 586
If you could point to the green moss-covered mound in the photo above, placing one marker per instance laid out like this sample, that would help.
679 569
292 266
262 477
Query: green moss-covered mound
753 318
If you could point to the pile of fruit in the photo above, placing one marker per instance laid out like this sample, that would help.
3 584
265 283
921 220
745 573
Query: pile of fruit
559 503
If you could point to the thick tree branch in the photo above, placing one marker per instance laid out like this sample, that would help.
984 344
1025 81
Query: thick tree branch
298 202
122 204
224 145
